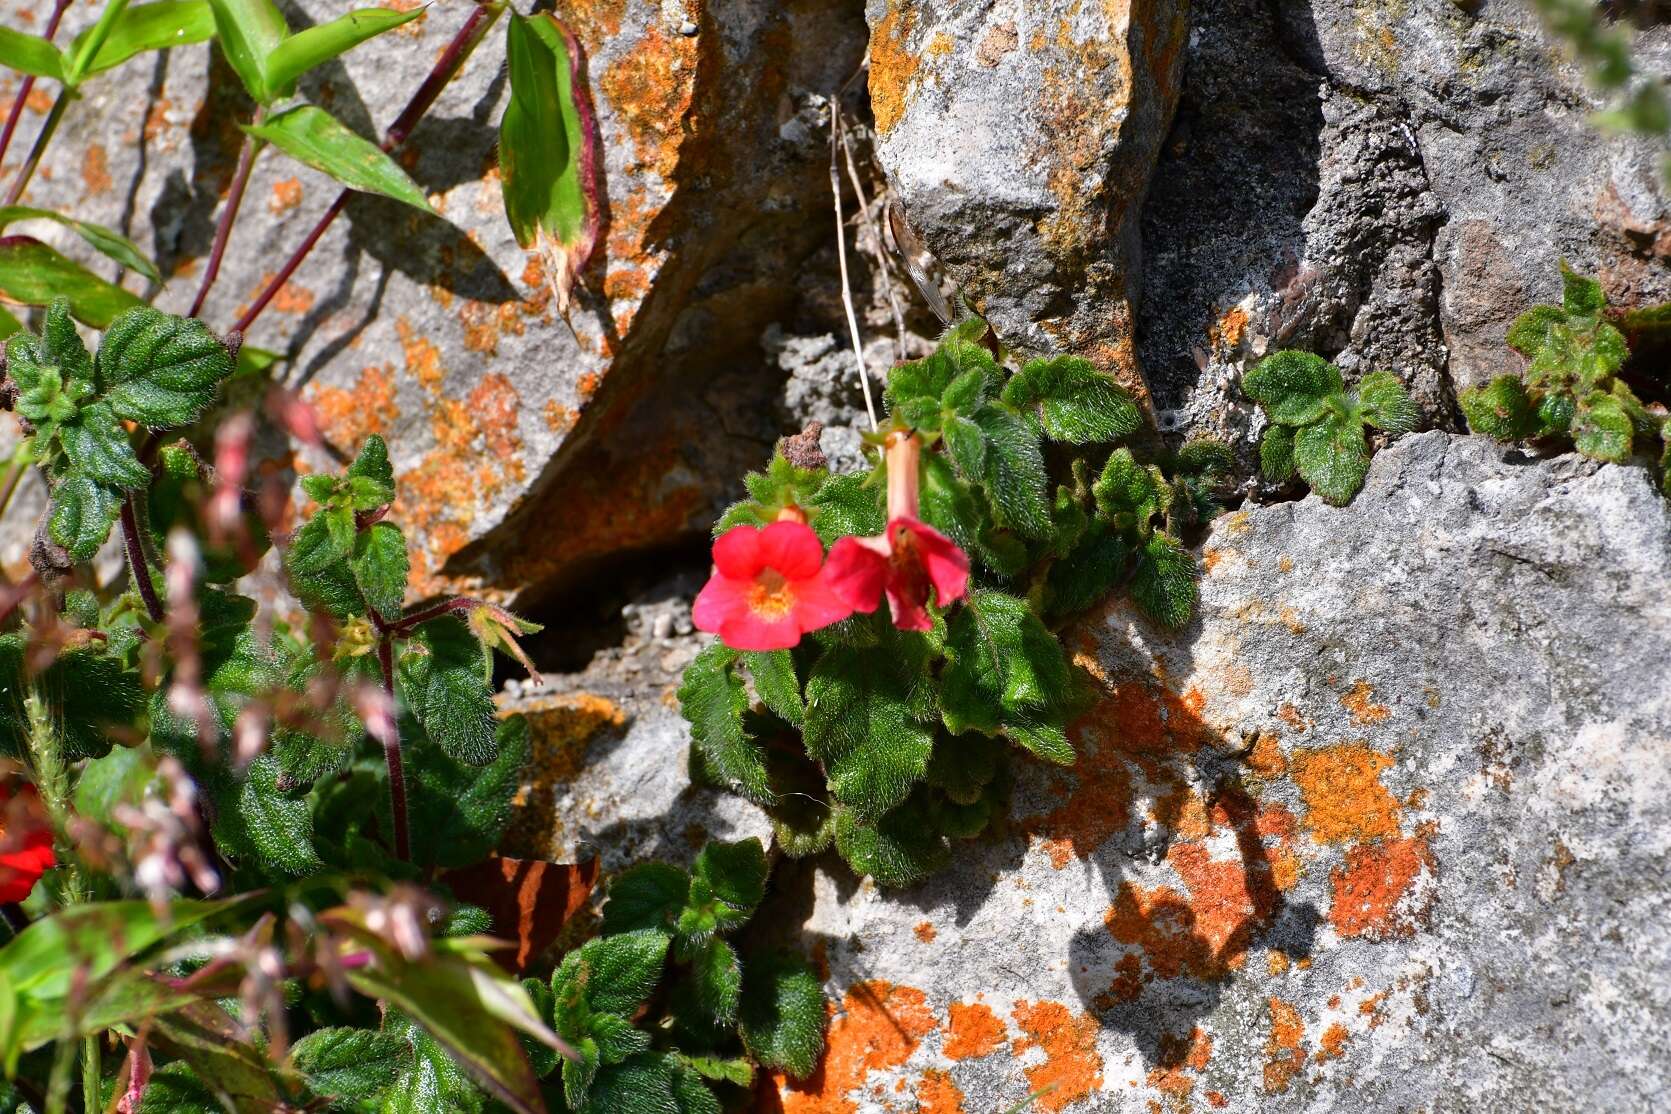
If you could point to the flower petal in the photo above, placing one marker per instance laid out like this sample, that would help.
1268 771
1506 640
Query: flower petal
737 552
746 629
908 613
720 598
944 561
818 604
856 572
792 549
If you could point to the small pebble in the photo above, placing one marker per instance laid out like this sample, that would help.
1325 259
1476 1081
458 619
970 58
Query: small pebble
687 28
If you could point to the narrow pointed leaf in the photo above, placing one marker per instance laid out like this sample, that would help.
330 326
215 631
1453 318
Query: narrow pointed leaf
314 137
144 27
249 31
33 274
110 243
30 54
304 50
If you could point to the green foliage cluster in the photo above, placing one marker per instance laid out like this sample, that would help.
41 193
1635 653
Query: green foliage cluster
888 744
1571 388
1605 50
1317 425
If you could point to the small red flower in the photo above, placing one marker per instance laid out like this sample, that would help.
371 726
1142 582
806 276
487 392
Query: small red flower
25 844
769 587
907 559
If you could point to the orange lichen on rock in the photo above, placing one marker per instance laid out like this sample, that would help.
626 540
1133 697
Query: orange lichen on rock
877 1027
1369 887
1343 794
975 1031
560 728
1364 711
1228 900
1284 1051
937 1094
1178 1058
924 932
287 194
1332 1044
349 416
1072 1068
95 170
893 67
1266 758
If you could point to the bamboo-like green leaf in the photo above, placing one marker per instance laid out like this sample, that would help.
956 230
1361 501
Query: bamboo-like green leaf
33 274
101 239
30 54
145 27
313 136
249 31
548 149
304 50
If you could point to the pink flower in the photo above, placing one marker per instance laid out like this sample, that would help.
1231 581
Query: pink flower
768 588
907 559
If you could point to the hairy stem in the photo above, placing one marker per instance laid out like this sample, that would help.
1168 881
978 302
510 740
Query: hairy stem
229 213
27 86
48 128
391 753
138 568
446 67
91 1070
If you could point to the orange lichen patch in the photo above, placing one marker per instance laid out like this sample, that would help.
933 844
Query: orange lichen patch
652 89
594 21
1227 331
495 405
975 1031
1276 963
423 358
287 194
1332 1044
924 932
937 1094
1072 1068
1284 1054
892 66
1266 758
485 322
347 417
1216 1100
1343 794
1368 888
941 45
1228 899
39 102
560 419
1364 711
1290 715
1128 981
559 728
95 169
291 297
878 1026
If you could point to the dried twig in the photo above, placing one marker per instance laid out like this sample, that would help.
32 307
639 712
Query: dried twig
841 255
878 244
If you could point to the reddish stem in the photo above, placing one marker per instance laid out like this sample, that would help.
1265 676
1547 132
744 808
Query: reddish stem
28 84
138 567
10 598
223 232
391 754
446 67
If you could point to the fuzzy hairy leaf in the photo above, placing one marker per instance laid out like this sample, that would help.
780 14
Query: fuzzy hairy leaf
775 680
457 813
1079 404
848 504
430 1079
1580 295
719 979
1015 477
782 1017
450 692
866 723
645 896
1332 457
900 848
1385 404
380 567
97 447
351 1068
1602 429
616 973
1292 386
81 513
1501 409
1531 329
1163 583
1128 494
89 692
260 819
728 880
1006 670
713 700
160 370
371 478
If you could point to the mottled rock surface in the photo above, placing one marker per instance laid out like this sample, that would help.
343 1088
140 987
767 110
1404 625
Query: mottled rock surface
1385 829
1387 183
441 333
1019 136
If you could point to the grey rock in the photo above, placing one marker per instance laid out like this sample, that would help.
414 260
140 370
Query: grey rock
1388 185
1019 137
1384 829
441 334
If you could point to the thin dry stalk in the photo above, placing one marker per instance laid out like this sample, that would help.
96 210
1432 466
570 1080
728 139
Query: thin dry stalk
877 244
841 255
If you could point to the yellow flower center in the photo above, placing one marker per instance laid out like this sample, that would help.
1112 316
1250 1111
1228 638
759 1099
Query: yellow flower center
772 597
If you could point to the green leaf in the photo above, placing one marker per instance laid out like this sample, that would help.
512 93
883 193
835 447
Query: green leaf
272 824
775 680
350 1067
713 700
1385 404
1502 409
1015 475
782 1018
966 446
315 138
30 54
1531 329
901 848
648 895
90 693
173 1089
848 504
457 813
617 973
865 722
1005 668
1088 573
616 1038
1276 454
1601 429
81 513
1164 582
692 1095
371 478
548 148
641 1085
239 1074
448 690
380 567
83 943
1291 386
1332 457
101 239
1127 493
33 274
146 27
1080 405
97 446
288 60
719 979
1580 295
734 876
248 32
160 370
